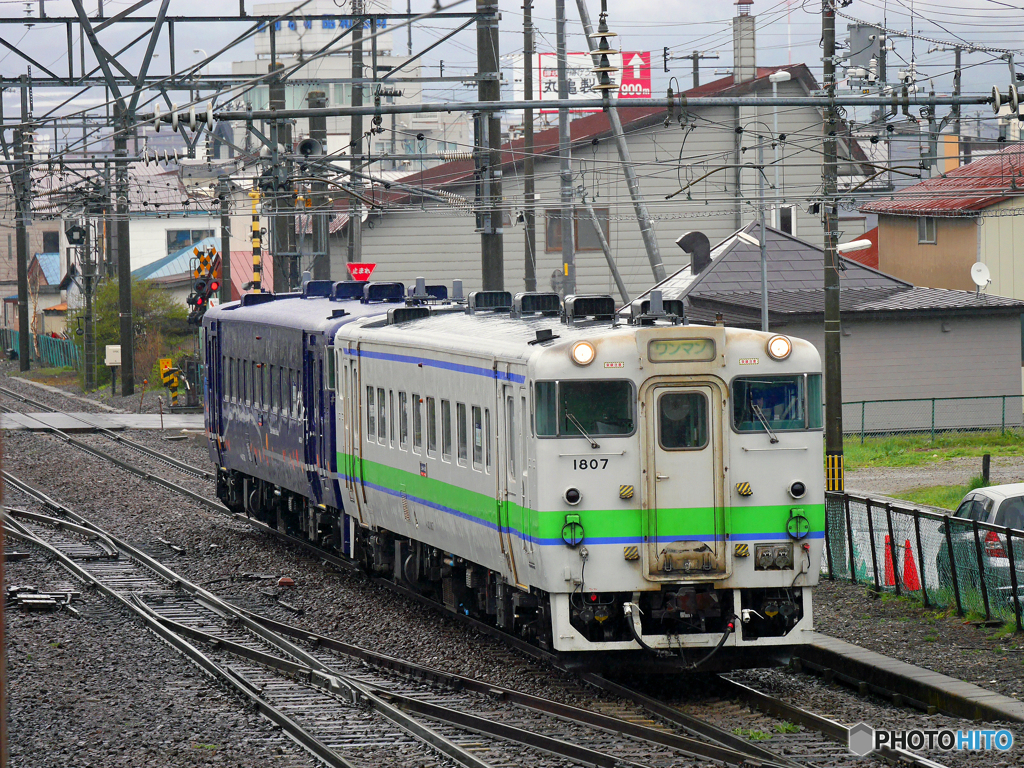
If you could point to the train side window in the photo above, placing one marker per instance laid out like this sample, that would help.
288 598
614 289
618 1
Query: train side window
330 369
278 391
264 385
487 436
254 386
243 370
417 423
391 415
286 402
431 427
274 397
478 438
230 388
446 430
382 417
461 430
510 434
371 430
403 421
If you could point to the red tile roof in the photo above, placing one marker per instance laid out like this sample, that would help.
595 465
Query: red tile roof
869 256
971 187
582 130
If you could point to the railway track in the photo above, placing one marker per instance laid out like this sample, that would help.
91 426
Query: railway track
818 737
335 699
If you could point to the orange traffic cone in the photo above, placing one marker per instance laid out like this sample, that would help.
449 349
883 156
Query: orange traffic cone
910 577
889 580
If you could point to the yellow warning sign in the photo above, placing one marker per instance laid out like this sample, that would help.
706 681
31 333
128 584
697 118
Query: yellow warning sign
165 364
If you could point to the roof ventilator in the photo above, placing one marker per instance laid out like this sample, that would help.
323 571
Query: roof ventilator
252 299
383 292
598 307
421 292
648 311
317 289
529 304
405 314
347 289
492 301
699 247
457 294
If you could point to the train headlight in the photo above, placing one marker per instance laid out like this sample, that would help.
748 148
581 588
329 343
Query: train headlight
583 353
797 490
779 347
572 496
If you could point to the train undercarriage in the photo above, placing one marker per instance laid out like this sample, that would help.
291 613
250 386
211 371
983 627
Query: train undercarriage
467 588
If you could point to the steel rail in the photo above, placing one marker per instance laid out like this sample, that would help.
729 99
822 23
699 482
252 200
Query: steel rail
110 434
94 537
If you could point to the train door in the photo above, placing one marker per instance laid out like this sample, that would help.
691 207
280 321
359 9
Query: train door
684 532
524 431
311 381
510 501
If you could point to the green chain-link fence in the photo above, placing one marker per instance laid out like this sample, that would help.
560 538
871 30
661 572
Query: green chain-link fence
54 353
901 549
933 415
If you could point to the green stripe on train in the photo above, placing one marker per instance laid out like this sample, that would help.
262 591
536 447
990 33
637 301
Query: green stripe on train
599 523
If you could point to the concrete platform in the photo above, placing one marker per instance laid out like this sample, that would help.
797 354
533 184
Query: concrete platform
89 422
947 694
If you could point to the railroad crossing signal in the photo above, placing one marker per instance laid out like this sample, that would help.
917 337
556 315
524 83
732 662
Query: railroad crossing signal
205 283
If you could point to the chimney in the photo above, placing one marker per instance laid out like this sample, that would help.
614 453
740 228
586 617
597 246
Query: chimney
744 62
699 247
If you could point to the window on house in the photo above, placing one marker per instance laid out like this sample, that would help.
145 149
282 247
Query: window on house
446 430
926 229
431 427
585 236
371 429
784 219
51 242
183 238
461 432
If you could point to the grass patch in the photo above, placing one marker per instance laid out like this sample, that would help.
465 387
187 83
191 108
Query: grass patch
944 496
930 638
752 734
915 450
787 727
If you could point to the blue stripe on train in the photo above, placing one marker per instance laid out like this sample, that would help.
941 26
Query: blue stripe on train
471 369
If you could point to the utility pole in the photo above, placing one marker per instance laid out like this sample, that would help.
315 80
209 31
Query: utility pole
956 92
643 216
89 287
564 158
21 186
834 474
319 212
487 145
280 135
529 186
762 241
355 148
124 258
224 193
695 57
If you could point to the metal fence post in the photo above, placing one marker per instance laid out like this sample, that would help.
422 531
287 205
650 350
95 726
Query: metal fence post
920 557
897 574
981 569
1013 578
871 538
863 405
849 538
952 567
1003 427
933 420
828 540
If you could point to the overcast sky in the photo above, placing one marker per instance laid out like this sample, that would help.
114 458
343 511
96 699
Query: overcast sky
787 32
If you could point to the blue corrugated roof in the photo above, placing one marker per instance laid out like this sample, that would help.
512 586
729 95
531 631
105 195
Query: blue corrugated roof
177 263
50 264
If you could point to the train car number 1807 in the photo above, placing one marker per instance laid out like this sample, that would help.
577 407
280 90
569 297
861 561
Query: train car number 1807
590 464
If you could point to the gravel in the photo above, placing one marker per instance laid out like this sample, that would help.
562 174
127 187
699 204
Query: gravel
241 564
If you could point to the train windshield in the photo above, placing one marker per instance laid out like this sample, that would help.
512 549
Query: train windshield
778 402
575 408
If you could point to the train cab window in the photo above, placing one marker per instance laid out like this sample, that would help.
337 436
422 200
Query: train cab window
382 417
778 401
371 429
461 432
487 437
814 401
431 427
446 430
682 420
403 421
417 423
330 369
572 408
478 438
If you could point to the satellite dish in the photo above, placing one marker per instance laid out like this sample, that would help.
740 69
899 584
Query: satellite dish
980 274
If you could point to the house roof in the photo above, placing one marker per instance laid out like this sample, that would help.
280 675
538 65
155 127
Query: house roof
62 307
585 130
869 256
49 264
175 264
731 284
969 188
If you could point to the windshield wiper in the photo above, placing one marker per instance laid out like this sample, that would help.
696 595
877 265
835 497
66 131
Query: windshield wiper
593 442
772 438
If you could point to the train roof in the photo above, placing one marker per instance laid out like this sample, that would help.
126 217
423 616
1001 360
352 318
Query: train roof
298 312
